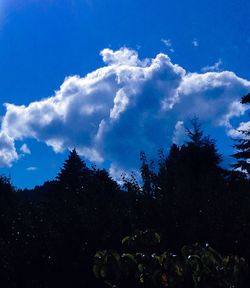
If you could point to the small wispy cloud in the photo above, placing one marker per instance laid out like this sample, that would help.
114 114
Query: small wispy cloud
195 42
32 168
25 149
215 67
168 44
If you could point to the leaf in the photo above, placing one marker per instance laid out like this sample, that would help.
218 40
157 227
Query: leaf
103 272
125 240
178 270
141 267
129 257
157 237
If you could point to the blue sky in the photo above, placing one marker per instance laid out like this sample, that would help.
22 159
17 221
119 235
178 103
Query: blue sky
125 101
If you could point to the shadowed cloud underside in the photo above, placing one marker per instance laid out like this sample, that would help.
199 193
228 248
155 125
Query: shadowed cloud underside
128 105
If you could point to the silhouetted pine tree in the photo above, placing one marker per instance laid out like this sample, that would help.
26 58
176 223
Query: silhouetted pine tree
73 173
203 145
199 180
189 188
243 146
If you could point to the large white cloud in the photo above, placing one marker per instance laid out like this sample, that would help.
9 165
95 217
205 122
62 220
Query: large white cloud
8 152
126 106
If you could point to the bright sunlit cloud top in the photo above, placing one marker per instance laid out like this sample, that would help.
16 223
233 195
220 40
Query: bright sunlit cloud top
138 98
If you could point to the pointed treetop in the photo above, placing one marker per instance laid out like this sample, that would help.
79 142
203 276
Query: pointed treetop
73 168
195 133
243 146
245 99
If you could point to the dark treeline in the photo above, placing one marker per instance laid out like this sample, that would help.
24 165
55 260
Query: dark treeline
50 234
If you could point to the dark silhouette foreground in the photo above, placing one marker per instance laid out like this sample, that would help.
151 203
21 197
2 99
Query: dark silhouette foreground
50 234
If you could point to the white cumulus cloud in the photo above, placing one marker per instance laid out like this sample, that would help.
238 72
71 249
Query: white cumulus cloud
8 152
128 105
179 133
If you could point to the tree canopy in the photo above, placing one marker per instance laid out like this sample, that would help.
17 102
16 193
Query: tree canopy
243 146
50 234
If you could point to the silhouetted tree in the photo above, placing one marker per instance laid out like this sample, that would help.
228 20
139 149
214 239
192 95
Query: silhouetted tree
243 146
148 176
198 182
73 174
6 193
49 234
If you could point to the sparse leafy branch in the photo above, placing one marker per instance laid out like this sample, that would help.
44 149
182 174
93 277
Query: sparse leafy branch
196 266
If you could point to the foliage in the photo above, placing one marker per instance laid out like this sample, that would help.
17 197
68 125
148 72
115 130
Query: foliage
196 266
243 146
73 173
50 234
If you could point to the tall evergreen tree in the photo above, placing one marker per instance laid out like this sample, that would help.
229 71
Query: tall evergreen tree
243 146
73 173
196 187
